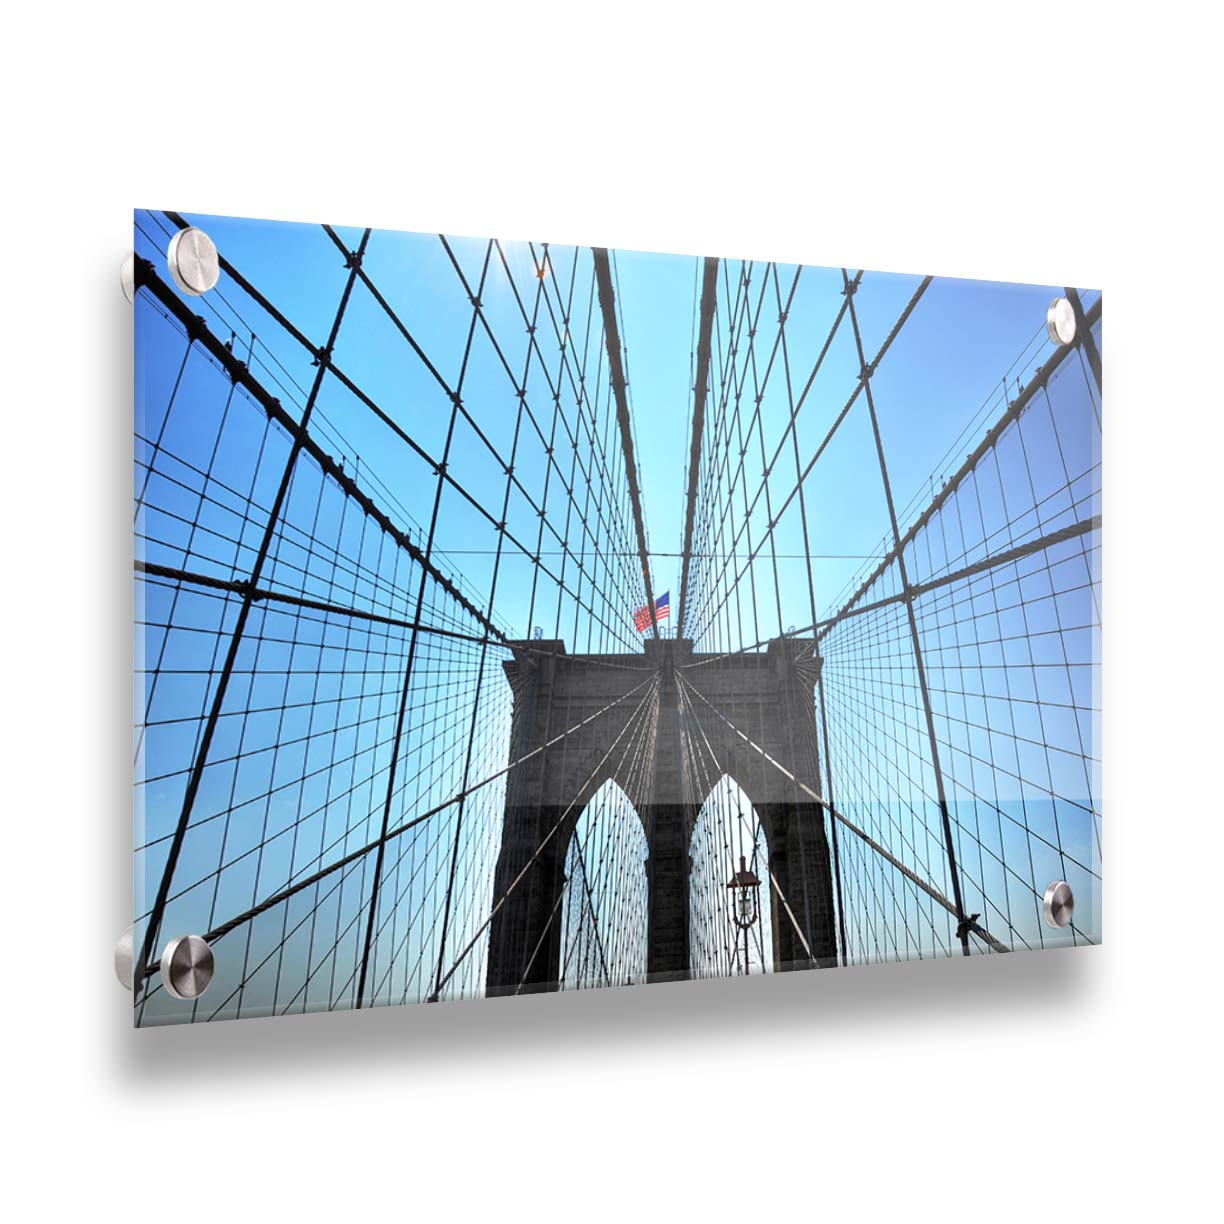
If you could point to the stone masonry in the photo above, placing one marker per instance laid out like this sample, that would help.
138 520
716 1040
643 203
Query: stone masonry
768 696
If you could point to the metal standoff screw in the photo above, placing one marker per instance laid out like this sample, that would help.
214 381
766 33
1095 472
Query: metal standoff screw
127 276
124 955
1059 904
187 967
193 261
1060 321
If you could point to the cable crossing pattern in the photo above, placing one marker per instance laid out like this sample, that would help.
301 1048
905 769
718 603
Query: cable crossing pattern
397 738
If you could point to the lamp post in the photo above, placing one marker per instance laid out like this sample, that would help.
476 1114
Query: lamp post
745 902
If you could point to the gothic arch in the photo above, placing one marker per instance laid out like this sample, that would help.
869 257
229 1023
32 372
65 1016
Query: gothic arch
603 907
568 712
728 825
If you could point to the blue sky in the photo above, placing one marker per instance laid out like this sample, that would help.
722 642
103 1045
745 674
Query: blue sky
950 358
936 392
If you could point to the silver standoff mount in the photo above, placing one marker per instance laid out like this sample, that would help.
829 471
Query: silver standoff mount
187 967
192 261
1058 903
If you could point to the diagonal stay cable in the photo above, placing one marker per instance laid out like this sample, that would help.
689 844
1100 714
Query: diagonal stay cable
708 787
788 431
324 358
152 931
641 753
915 637
292 890
773 879
1042 543
864 376
930 890
1011 413
484 926
146 277
258 594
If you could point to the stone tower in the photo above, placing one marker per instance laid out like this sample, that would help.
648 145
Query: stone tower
768 697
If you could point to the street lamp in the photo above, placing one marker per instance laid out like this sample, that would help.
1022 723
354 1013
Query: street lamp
745 902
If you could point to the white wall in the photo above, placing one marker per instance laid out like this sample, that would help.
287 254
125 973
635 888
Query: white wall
1048 142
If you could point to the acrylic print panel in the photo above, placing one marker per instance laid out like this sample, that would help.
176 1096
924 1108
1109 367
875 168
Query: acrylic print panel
514 617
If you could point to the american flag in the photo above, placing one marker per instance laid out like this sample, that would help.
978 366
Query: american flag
641 618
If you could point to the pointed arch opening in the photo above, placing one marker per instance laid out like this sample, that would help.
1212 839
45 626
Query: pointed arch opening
728 826
604 899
